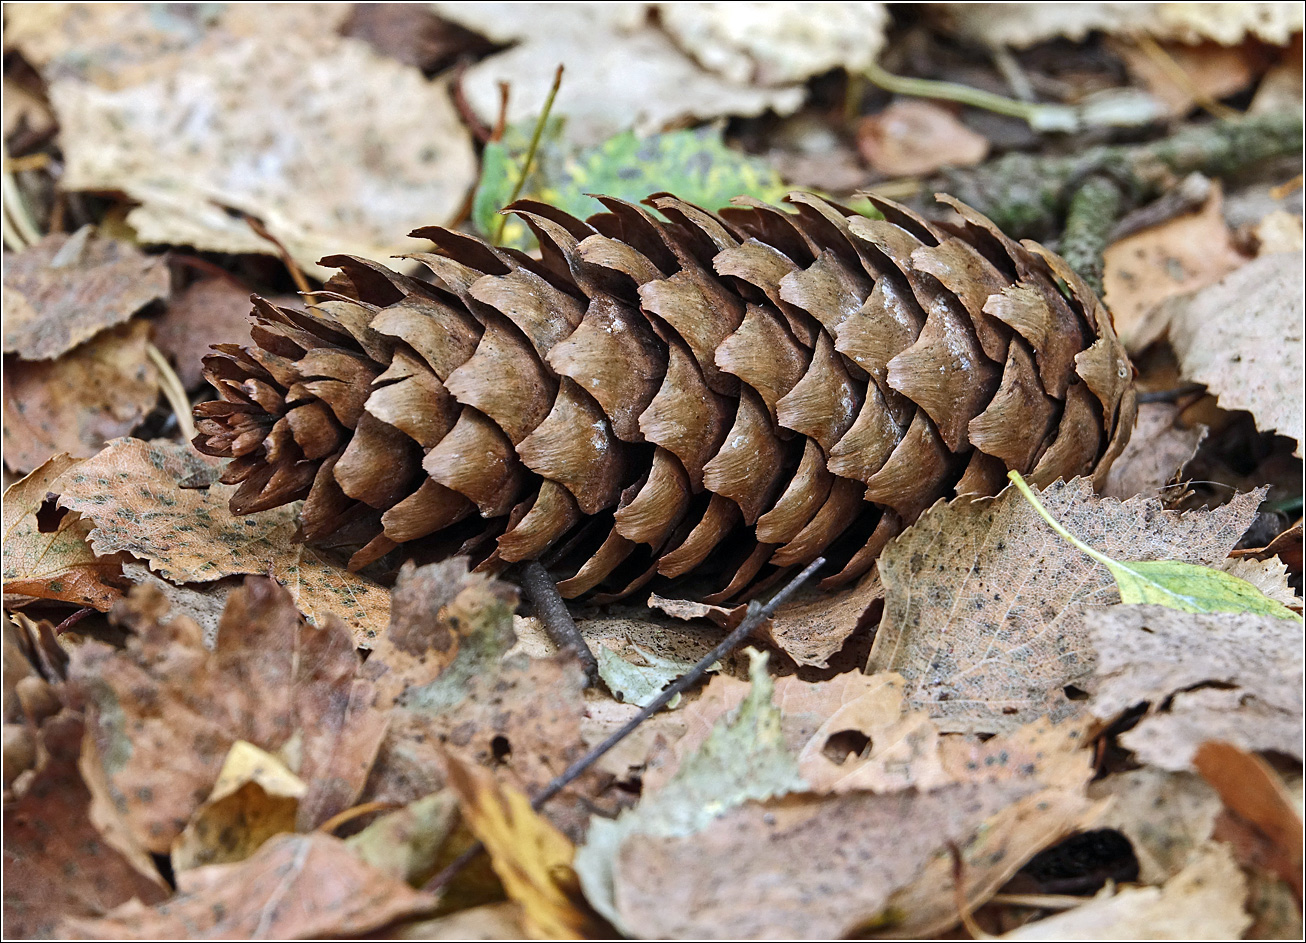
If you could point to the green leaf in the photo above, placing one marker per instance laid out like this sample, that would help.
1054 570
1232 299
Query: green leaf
1183 586
695 165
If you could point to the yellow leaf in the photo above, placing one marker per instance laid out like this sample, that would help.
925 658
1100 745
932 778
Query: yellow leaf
1183 586
530 855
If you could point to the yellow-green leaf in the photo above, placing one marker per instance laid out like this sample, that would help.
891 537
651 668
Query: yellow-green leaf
1183 586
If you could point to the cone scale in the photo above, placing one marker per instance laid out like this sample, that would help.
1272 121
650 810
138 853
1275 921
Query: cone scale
728 395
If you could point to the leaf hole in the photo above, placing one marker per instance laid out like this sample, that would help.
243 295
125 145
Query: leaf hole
844 744
501 749
49 515
1074 693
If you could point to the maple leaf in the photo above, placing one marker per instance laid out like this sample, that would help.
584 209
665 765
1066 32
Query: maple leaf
984 606
132 492
56 563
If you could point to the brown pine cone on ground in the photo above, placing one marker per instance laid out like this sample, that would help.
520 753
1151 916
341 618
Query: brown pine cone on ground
730 394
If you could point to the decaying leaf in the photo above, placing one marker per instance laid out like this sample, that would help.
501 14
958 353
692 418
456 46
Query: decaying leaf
164 712
916 137
984 607
56 563
1203 901
209 311
501 921
1165 816
329 188
56 863
1157 451
1178 256
294 887
621 73
410 844
66 289
1242 337
255 798
94 393
131 491
640 678
531 857
1171 583
1225 676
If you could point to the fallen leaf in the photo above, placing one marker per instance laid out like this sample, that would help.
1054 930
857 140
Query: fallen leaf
1224 676
255 798
294 887
1211 72
1169 583
812 629
58 563
502 921
996 24
531 857
1204 901
985 606
200 602
637 683
770 44
1270 577
131 491
268 146
695 165
917 138
1165 816
1262 823
1158 450
410 844
1279 231
96 392
56 863
66 289
164 712
1242 338
1174 258
621 72
1287 546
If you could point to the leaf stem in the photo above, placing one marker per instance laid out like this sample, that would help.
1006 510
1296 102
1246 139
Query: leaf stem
1025 490
530 151
1039 116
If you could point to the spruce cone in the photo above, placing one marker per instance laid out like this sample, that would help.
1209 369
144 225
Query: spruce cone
731 394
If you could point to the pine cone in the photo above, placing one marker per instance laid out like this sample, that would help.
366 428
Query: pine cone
731 394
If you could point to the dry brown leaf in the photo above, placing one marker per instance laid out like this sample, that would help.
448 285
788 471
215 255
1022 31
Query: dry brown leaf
985 605
917 138
621 72
1269 576
1242 337
201 602
1164 815
210 311
1212 71
1174 258
295 887
255 798
131 491
57 563
501 921
1262 822
1223 676
1158 450
1204 901
66 289
56 863
164 712
267 146
96 392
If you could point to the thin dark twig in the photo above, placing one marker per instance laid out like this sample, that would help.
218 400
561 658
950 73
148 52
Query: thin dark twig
465 111
756 615
1169 396
530 150
72 620
553 612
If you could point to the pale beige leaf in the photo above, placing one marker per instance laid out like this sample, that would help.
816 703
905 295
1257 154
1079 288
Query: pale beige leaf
984 608
1204 901
1222 676
1242 337
1164 815
1157 451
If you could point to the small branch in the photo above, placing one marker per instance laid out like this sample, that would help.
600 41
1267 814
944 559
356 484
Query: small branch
1092 215
530 151
553 612
1040 117
757 614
